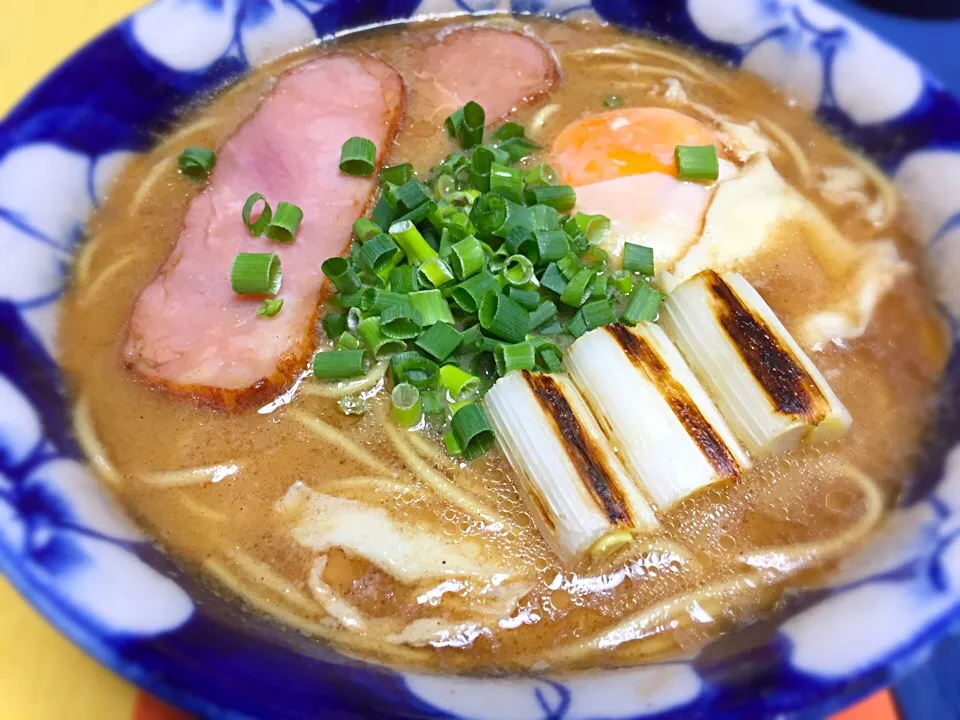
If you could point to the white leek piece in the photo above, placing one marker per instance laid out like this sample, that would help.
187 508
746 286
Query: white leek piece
768 389
580 495
654 410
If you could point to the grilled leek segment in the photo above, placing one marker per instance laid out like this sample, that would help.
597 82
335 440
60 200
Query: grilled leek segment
579 493
767 388
655 411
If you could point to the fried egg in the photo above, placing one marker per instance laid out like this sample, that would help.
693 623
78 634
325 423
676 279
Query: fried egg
622 165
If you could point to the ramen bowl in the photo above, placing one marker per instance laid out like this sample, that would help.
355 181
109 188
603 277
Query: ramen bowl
71 552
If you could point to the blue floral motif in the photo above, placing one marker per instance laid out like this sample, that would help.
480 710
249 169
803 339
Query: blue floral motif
250 31
55 522
825 60
71 552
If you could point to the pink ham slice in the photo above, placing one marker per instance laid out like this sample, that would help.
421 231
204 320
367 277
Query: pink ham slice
500 69
188 330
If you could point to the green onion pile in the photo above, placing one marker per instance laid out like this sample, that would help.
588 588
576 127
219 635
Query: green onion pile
478 271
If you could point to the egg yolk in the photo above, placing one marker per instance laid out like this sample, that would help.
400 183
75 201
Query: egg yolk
629 141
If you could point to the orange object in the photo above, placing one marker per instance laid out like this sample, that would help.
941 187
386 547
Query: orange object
631 141
877 707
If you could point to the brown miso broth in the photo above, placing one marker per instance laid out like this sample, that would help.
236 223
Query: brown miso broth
230 532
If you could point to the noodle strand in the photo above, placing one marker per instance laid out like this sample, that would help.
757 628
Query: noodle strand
341 441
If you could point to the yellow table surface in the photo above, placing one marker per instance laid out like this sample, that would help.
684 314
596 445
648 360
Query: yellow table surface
42 675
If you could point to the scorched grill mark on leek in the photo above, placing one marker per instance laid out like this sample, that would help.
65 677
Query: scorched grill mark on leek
768 389
581 496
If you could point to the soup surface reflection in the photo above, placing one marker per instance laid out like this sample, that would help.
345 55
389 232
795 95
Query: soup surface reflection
243 497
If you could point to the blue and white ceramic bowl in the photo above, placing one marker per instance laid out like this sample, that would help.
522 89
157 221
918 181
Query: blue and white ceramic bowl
69 551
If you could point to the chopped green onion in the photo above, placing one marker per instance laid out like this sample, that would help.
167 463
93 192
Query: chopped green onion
270 307
413 244
400 322
471 339
334 323
553 279
643 306
470 293
431 306
528 299
577 289
404 280
478 169
339 364
452 123
503 317
496 261
285 223
445 186
397 174
594 257
466 125
542 175
518 270
256 274
488 344
348 341
551 245
371 333
598 290
411 195
406 407
413 368
435 273
380 252
256 227
697 162
489 213
508 130
597 314
516 238
433 402
519 356
623 281
365 229
459 383
549 359
196 163
559 197
340 273
638 258
613 101
466 257
375 300
518 217
439 341
570 265
451 444
383 213
577 325
594 227
353 300
472 431
507 181
358 156
518 148
546 312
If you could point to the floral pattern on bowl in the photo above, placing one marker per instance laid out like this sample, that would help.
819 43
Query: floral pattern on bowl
73 555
